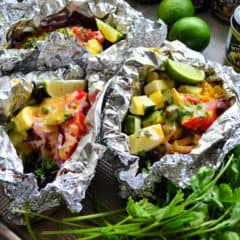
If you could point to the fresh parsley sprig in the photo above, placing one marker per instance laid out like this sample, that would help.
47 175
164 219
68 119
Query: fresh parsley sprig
210 210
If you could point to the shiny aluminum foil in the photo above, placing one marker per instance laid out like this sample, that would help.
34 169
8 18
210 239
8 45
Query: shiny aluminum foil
60 57
73 178
137 30
214 144
56 58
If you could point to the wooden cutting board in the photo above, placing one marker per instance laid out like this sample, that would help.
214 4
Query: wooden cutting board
7 234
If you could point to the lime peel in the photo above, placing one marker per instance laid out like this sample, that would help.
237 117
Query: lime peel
59 88
184 73
110 33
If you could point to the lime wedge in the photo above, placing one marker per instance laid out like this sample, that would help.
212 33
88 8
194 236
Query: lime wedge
184 73
59 88
110 33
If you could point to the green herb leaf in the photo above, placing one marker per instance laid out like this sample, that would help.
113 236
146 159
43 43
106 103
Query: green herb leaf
141 209
203 178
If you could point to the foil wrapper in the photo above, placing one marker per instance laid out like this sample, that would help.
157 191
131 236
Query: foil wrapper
60 57
51 54
74 176
215 143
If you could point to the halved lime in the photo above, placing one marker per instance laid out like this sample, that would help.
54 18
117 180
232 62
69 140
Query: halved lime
184 73
110 33
58 88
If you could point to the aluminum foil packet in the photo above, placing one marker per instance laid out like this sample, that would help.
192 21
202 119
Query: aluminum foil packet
50 54
59 57
213 146
73 178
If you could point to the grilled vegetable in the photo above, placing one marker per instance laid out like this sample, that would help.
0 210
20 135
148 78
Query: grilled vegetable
132 124
140 105
146 139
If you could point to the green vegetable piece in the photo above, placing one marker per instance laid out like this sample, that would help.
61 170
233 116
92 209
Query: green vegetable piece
132 124
141 105
154 118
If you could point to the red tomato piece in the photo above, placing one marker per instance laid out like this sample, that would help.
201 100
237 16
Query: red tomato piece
73 130
76 30
92 97
99 36
199 122
192 99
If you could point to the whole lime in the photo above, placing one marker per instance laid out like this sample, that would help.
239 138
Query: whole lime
172 10
192 31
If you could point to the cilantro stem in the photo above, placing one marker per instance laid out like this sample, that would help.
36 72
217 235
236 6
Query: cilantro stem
72 231
93 216
90 237
29 227
192 198
47 218
204 230
120 228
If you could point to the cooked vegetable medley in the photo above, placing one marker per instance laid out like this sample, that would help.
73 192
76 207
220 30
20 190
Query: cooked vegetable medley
172 115
95 41
46 135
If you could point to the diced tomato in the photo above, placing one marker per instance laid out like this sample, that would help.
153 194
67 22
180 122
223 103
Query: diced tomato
192 99
73 130
80 33
92 97
81 94
202 122
61 140
90 34
99 36
84 34
76 31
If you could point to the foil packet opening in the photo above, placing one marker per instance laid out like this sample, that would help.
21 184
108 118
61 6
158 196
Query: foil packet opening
60 57
49 54
214 144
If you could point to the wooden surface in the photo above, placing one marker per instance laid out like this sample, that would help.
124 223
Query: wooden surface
215 51
7 234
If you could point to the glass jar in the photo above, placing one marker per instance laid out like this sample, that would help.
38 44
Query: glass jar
223 9
200 4
232 55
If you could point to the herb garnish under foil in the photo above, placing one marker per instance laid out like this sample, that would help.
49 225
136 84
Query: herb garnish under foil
214 144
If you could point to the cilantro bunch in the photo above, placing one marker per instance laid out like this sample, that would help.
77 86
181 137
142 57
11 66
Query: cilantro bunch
208 210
